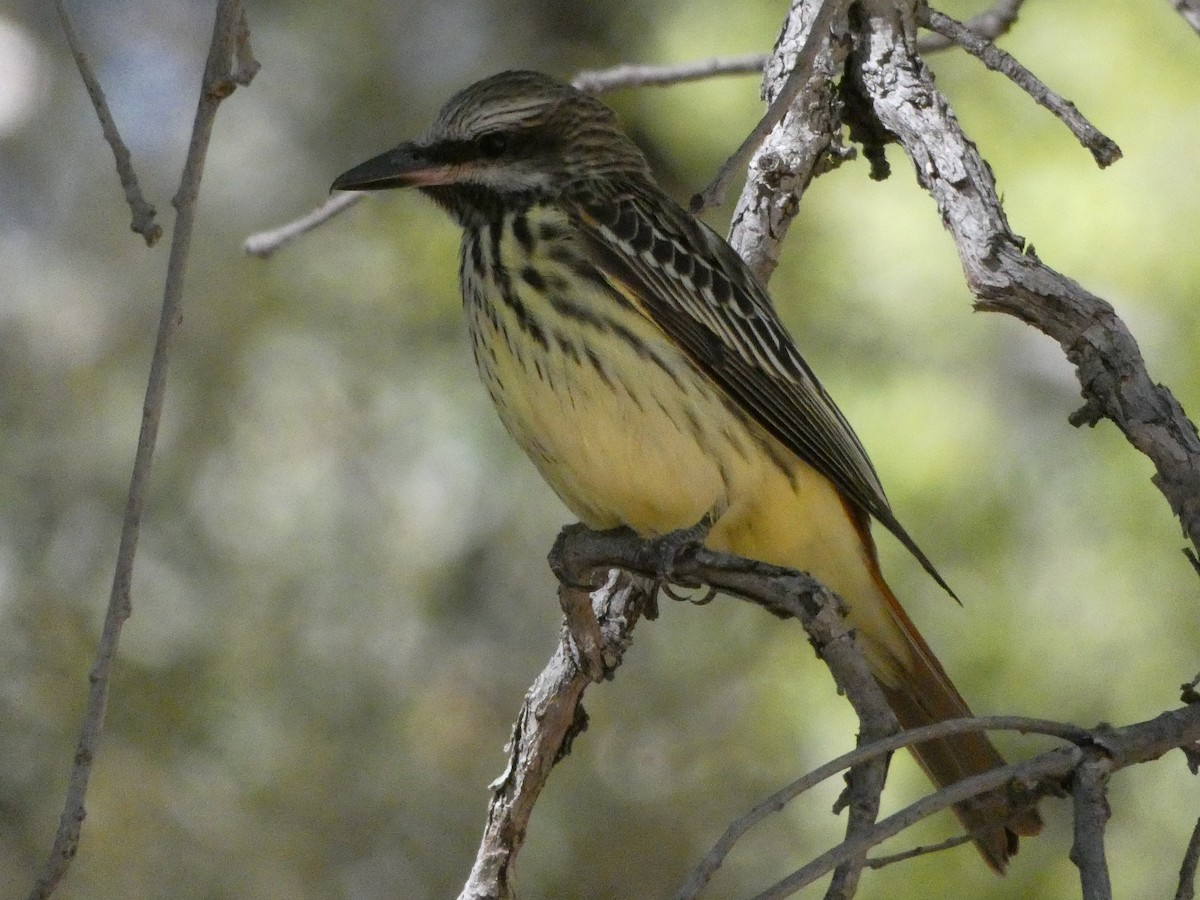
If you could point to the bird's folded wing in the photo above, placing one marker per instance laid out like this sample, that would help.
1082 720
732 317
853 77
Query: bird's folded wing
692 285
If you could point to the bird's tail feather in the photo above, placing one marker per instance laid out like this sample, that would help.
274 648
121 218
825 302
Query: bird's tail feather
924 695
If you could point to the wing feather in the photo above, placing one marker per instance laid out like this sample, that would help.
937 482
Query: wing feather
712 306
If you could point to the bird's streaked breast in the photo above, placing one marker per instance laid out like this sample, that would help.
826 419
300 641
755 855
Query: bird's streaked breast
610 412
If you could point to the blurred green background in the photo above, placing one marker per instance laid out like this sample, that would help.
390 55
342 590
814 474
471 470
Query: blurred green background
341 593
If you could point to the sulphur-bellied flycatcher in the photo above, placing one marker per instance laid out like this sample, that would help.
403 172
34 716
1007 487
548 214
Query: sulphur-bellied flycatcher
635 358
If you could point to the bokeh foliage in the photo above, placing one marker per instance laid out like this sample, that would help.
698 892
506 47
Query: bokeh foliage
341 591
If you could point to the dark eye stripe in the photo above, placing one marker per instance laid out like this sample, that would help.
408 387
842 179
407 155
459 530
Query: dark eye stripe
452 152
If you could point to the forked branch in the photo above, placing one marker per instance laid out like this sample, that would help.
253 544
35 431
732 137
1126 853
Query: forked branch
229 63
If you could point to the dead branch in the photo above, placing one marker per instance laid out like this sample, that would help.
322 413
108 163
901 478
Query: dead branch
878 749
1103 149
806 142
799 72
143 212
598 81
882 862
989 25
228 64
264 243
1005 275
550 717
1090 792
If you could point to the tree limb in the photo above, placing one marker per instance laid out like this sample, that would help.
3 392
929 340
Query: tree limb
1006 276
549 716
549 719
228 64
878 749
1089 790
800 71
804 143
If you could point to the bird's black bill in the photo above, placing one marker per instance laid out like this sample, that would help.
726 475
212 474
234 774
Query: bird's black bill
398 168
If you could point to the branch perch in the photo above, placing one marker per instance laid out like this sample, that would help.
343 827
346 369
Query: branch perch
549 719
550 716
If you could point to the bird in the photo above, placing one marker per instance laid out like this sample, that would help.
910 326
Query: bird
644 370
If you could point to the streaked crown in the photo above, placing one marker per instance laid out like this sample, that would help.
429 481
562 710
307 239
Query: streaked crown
505 143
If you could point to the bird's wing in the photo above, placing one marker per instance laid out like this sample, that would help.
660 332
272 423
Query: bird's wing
693 285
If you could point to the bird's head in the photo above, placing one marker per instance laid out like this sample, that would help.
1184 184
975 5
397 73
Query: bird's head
505 143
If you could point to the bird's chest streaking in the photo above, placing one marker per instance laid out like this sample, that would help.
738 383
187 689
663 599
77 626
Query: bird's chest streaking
620 422
616 419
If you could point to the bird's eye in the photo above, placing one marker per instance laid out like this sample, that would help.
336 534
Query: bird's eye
492 144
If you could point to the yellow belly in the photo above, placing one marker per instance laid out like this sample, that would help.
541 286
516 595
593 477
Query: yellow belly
627 432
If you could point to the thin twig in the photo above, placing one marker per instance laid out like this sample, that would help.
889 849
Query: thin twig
264 243
1190 10
818 35
989 25
715 857
597 81
1103 149
880 862
143 212
216 86
1187 870
1051 765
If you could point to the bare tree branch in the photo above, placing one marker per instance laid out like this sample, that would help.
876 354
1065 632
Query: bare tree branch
143 212
549 719
713 860
598 81
804 143
989 25
264 243
1006 276
1103 149
882 862
550 716
1089 789
801 70
1122 747
230 39
1055 764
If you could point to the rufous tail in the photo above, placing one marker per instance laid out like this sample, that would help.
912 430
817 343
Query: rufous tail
925 695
